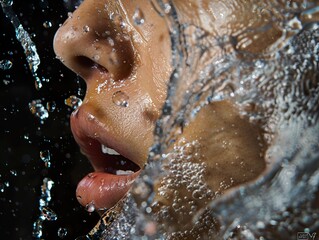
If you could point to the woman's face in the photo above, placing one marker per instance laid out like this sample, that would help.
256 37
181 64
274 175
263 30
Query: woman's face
122 50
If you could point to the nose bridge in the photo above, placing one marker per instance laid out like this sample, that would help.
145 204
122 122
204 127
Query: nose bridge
94 37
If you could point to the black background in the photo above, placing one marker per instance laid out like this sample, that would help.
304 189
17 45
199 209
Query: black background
22 136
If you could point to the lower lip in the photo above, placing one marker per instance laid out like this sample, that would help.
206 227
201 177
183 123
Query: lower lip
100 190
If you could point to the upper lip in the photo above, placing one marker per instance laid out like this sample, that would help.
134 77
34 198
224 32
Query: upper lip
90 134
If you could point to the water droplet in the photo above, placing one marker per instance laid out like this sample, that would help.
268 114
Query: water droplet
118 20
90 207
6 3
96 57
62 232
86 29
73 101
48 214
5 64
14 172
37 229
138 17
120 98
47 24
45 157
2 187
38 109
51 106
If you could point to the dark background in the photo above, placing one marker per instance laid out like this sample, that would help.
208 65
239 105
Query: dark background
22 136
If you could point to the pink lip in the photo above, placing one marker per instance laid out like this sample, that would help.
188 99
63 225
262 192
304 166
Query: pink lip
101 189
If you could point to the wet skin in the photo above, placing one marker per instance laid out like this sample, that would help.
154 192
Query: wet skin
101 43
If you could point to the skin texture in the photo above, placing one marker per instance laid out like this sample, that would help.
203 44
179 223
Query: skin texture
101 43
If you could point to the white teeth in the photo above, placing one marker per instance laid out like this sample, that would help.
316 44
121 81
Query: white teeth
109 151
123 172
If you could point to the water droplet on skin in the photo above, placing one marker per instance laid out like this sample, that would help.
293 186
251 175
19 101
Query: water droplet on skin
138 17
118 21
91 175
62 232
96 57
120 98
47 24
90 207
73 101
86 29
5 64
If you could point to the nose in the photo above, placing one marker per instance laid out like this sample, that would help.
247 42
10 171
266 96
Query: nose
95 38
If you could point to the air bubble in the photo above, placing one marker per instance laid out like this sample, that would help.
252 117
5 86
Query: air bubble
138 17
47 24
73 101
5 64
62 232
120 98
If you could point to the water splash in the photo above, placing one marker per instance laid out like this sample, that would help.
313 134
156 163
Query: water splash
24 38
46 214
277 89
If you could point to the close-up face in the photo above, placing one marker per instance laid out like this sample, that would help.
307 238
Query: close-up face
126 66
124 51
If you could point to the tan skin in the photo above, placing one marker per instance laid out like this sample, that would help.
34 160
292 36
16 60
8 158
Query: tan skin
113 54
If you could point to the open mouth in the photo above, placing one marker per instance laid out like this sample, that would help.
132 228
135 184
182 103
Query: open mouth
118 165
111 180
113 173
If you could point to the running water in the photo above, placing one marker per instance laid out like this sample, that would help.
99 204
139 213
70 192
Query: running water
24 38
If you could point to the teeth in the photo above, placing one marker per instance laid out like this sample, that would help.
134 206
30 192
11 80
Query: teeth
123 172
109 151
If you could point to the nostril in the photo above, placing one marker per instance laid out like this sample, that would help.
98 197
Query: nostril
87 63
